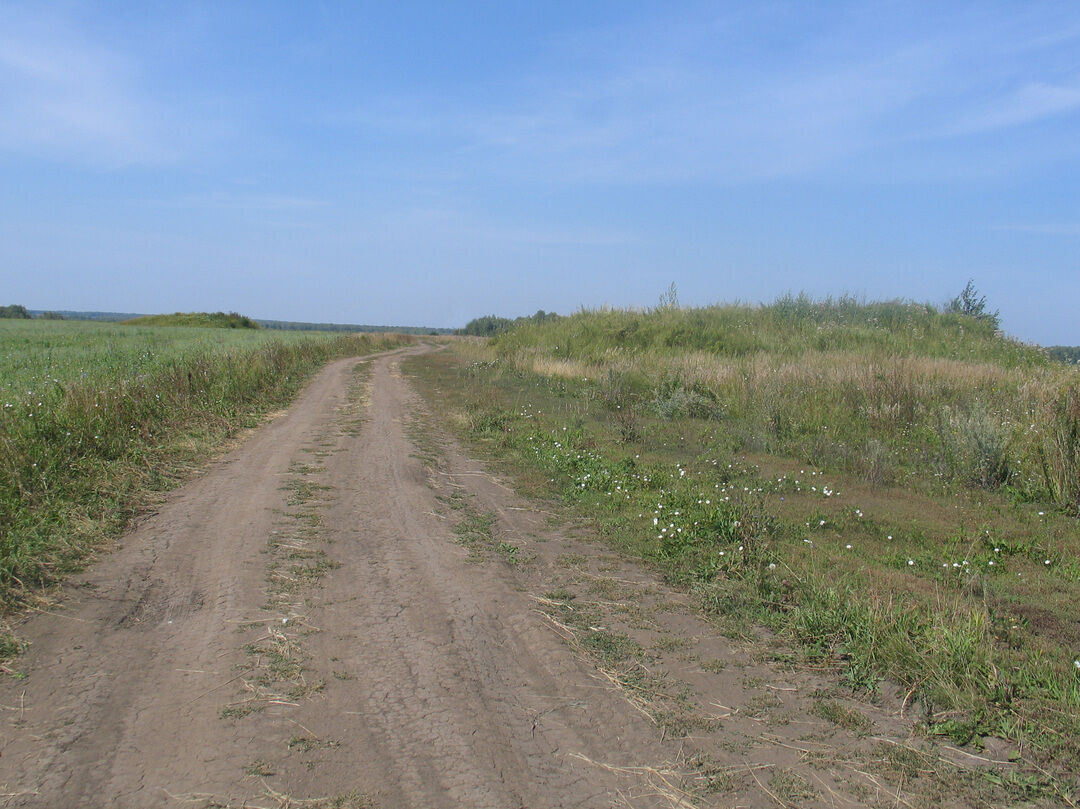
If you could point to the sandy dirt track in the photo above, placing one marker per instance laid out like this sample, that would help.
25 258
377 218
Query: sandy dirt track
433 680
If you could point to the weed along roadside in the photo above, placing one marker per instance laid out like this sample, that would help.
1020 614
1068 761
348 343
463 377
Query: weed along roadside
872 507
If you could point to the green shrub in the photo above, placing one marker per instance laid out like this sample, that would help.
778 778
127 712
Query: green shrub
971 304
14 312
673 399
219 320
976 444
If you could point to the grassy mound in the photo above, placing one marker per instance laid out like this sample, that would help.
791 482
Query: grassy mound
217 320
790 328
892 391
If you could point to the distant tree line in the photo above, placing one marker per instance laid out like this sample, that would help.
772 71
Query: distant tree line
490 325
1069 354
103 317
289 325
18 312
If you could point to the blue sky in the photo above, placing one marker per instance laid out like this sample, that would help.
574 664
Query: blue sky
426 163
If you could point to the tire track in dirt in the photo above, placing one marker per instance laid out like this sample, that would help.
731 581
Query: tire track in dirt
462 695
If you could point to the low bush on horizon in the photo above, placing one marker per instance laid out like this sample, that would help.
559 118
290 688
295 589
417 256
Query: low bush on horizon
219 320
491 325
14 311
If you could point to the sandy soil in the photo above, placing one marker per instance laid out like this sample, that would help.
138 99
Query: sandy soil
308 620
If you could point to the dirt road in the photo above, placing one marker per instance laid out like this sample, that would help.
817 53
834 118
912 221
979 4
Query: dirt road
179 671
347 611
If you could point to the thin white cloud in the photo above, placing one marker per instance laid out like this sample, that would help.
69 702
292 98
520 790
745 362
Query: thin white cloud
656 123
1043 228
1031 103
626 107
64 98
226 201
453 223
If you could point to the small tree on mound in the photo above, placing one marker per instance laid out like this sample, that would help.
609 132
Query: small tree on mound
972 304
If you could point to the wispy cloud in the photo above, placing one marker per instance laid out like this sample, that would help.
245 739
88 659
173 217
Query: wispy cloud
65 98
1043 228
1025 105
623 107
654 122
455 223
228 201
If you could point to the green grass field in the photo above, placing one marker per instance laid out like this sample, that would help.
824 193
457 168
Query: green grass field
95 418
36 353
892 491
